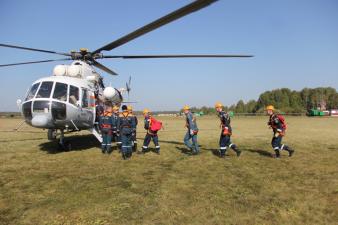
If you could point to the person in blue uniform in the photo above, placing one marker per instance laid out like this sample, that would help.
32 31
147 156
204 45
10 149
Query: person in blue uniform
225 137
151 135
191 132
105 125
115 134
126 127
130 110
277 123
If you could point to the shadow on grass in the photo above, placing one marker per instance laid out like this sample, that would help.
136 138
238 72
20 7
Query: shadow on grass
78 143
22 140
168 142
260 152
185 151
215 152
149 150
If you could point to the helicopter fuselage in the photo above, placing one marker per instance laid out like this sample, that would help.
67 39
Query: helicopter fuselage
65 102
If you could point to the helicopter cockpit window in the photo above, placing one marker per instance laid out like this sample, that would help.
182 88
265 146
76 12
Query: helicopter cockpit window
32 91
73 95
45 90
60 91
84 98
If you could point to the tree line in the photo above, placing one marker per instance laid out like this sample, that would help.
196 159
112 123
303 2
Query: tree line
285 100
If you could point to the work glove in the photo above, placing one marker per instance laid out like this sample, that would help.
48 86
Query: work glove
191 132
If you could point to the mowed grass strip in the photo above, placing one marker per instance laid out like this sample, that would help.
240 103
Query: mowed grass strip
41 185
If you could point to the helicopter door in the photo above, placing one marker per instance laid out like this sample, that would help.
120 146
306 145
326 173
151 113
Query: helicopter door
87 114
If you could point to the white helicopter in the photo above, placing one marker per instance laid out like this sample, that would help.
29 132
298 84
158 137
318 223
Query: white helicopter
67 101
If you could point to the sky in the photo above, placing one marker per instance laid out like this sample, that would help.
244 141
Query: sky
294 43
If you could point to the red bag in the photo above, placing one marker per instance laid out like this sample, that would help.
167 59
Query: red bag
155 125
226 131
282 120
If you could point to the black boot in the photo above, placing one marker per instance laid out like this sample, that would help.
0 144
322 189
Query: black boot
103 150
277 153
222 153
135 147
291 151
124 156
238 152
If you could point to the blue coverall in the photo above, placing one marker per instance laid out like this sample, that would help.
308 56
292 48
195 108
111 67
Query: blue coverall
225 138
134 140
191 133
150 135
126 126
278 133
115 135
105 124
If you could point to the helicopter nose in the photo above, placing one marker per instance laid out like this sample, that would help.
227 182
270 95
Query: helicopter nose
40 121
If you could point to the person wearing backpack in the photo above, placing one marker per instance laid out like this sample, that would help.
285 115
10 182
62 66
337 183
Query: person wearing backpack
126 127
225 141
191 132
278 125
105 125
152 126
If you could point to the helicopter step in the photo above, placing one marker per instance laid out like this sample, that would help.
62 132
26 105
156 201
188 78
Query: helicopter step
95 132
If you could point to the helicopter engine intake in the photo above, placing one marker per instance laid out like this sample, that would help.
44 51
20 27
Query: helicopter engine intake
112 95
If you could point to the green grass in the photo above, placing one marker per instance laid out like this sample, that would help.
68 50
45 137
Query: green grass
40 185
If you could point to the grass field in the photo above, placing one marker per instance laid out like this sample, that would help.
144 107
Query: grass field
40 185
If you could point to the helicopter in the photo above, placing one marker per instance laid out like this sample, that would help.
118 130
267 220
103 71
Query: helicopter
68 100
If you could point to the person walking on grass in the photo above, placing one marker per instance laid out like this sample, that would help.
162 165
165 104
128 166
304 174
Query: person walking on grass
152 126
225 138
192 131
277 124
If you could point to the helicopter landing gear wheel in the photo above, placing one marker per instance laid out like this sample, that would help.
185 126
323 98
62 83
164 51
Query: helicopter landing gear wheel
51 134
64 145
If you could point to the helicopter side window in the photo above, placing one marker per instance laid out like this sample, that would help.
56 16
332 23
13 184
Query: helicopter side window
60 91
73 95
84 98
32 91
45 90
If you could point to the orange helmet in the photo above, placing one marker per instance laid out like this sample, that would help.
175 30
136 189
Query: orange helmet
270 107
218 105
129 107
186 107
145 111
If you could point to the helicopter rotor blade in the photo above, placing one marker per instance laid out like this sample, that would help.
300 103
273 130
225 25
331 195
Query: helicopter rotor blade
33 62
104 68
34 49
173 56
185 10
